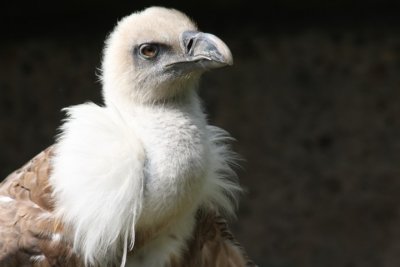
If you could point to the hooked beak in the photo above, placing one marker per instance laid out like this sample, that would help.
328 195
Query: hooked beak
202 51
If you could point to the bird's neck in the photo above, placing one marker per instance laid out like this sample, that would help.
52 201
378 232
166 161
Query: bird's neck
128 100
188 103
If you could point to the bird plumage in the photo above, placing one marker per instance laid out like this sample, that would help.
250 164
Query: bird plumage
139 181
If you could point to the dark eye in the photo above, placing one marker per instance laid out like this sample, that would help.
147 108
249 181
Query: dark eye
148 51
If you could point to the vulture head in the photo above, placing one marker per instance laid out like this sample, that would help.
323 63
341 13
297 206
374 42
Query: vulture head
157 55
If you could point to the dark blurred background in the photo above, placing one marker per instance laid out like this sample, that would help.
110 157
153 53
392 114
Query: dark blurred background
313 100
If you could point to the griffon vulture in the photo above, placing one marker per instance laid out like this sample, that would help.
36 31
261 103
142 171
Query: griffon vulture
140 181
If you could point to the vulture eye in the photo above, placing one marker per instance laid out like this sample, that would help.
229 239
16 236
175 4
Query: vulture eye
148 51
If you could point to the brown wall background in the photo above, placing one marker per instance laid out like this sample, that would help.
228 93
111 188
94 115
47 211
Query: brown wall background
313 100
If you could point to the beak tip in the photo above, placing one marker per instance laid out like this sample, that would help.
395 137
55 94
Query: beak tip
223 50
229 60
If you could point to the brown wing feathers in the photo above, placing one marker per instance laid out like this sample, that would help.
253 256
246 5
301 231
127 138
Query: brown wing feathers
28 232
213 245
30 183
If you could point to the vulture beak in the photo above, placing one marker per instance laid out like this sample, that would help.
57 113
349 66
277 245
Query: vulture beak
202 51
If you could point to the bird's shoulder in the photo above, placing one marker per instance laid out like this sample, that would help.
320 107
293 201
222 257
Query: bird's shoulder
30 183
29 233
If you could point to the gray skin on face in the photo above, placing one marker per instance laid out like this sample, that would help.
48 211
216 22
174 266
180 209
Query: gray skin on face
199 52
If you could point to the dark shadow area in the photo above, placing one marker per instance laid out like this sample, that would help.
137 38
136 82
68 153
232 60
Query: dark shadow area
313 100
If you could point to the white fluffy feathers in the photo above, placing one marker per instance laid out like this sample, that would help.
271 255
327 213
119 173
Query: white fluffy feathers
98 180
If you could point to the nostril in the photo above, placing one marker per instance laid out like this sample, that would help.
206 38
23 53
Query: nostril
189 45
189 41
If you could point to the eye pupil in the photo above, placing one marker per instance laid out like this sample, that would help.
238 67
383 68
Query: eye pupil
148 50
